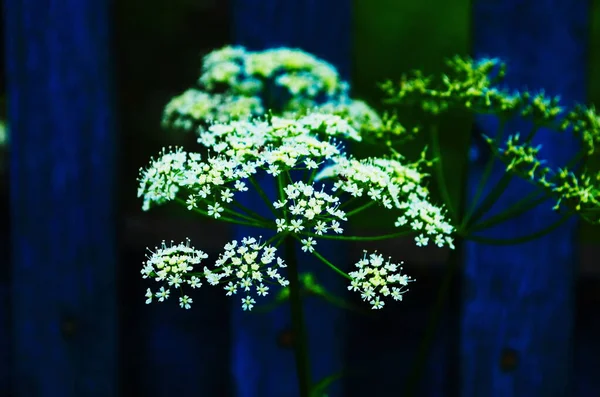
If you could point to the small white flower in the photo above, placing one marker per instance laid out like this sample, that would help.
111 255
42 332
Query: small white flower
240 186
279 204
163 294
185 301
296 226
227 196
231 288
149 295
421 240
248 303
262 290
320 228
335 226
215 210
307 244
175 280
281 226
194 282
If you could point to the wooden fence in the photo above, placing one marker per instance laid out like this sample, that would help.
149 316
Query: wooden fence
72 319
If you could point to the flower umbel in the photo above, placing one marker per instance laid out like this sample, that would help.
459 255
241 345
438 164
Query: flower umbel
173 265
247 265
377 279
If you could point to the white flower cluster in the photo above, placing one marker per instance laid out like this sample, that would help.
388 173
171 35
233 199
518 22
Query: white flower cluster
361 116
196 108
213 180
237 84
394 186
245 72
244 265
309 209
376 279
173 265
285 139
247 265
161 181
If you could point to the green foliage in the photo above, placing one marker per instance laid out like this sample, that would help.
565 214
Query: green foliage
472 85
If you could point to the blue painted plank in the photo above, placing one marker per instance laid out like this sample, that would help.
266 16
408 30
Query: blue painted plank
261 367
62 198
5 351
517 322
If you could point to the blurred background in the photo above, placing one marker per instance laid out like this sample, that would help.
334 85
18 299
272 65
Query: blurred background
156 48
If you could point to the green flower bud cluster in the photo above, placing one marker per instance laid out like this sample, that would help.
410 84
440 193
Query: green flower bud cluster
586 122
473 86
522 158
470 85
579 193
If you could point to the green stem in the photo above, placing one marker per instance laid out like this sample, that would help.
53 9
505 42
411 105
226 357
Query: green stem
489 201
278 238
489 166
222 217
331 265
439 168
250 212
263 195
242 216
361 208
496 192
519 240
433 321
520 207
298 325
358 238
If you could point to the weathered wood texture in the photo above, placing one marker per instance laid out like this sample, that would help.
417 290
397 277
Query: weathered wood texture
262 364
62 171
517 320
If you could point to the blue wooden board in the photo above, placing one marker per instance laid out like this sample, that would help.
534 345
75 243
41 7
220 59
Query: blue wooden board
62 173
5 331
260 366
517 324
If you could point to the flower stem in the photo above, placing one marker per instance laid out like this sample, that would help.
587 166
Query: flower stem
439 168
331 265
298 325
489 166
359 238
433 322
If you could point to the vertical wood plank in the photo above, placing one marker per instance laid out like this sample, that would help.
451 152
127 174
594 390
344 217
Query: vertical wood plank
62 197
517 323
261 364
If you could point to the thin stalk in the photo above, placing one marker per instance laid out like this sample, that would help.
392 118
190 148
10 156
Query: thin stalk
263 195
520 240
250 212
439 168
241 216
496 192
361 208
433 322
358 238
489 200
487 172
298 325
331 265
222 217
516 209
